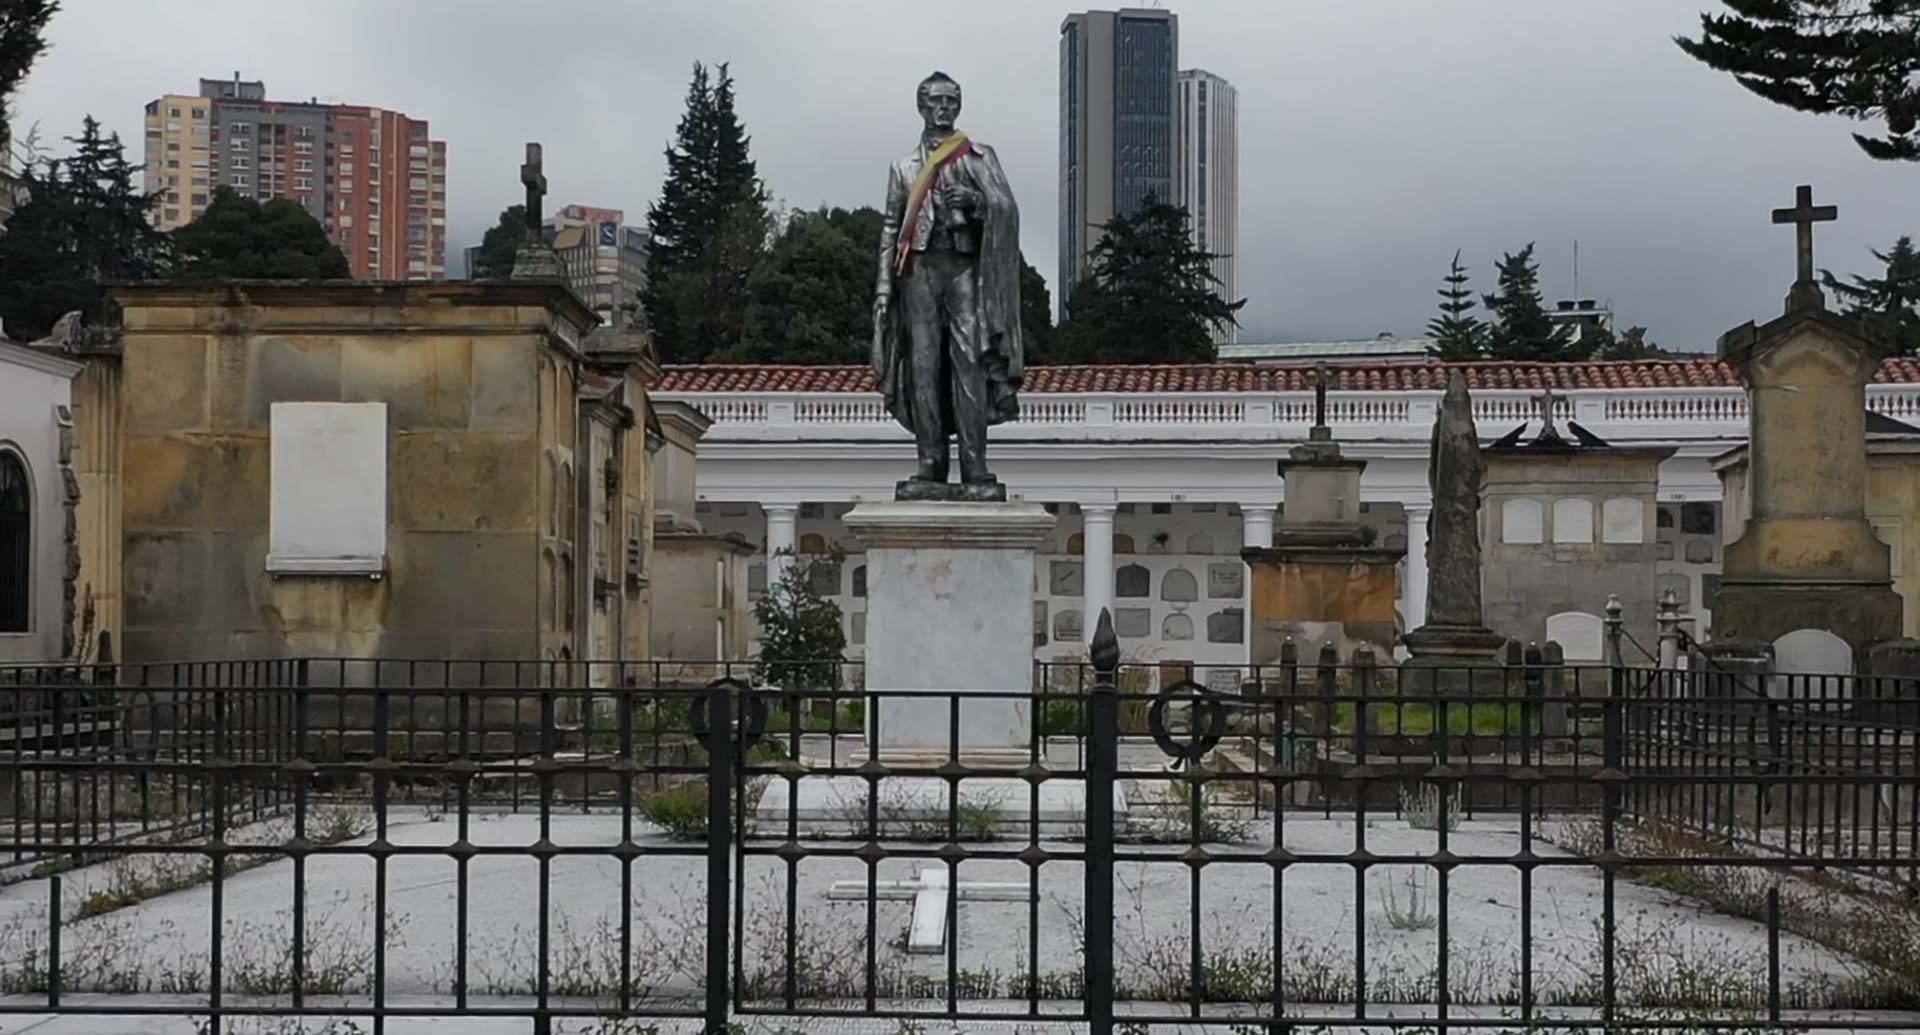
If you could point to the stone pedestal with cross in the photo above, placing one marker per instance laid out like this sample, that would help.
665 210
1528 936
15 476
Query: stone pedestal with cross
1324 581
1800 552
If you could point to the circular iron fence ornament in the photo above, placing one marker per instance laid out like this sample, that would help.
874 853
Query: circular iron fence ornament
1207 725
751 723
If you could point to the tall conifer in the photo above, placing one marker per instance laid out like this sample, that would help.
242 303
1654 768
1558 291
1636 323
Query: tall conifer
1521 328
712 190
1890 304
1457 335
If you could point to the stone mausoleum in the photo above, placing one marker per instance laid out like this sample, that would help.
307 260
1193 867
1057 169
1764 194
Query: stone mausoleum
1160 476
371 470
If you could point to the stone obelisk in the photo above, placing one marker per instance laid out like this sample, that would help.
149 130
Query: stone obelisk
1455 635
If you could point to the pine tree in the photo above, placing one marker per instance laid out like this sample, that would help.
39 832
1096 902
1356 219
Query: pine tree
500 244
712 188
810 299
1150 295
1890 305
1521 329
84 227
1036 315
1856 58
239 237
23 25
1457 336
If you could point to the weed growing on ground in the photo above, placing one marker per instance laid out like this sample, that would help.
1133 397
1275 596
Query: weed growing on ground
1423 807
680 810
1407 900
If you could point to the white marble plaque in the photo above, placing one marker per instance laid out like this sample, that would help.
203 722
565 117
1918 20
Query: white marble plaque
1573 521
1579 634
1521 521
327 487
1623 520
1226 581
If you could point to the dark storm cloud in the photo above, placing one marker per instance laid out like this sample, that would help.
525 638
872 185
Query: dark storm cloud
1376 137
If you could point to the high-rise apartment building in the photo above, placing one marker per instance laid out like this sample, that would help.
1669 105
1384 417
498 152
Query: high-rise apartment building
1209 176
1117 123
374 178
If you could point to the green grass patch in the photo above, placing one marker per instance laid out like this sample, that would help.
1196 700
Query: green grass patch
1420 719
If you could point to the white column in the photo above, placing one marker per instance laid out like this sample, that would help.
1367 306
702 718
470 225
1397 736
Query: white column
781 518
1256 526
1415 606
1097 562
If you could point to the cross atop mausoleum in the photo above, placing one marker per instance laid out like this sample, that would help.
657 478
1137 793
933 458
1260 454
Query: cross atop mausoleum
1803 214
533 175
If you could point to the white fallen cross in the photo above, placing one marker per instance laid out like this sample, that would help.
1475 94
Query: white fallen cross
927 932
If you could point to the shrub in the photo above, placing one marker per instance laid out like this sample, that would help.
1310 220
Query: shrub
680 811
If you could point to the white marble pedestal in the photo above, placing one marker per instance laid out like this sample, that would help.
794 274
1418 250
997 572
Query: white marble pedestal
950 611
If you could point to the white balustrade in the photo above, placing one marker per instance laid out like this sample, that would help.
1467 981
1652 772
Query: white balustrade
1632 413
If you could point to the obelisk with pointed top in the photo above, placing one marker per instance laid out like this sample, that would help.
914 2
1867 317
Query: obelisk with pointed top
535 259
1455 634
1804 213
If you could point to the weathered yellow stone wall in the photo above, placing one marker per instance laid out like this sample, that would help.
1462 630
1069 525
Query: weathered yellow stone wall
1893 507
97 463
463 370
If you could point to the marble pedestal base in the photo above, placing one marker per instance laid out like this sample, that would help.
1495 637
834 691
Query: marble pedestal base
1453 659
950 616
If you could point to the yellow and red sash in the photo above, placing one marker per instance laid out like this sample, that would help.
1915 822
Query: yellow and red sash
949 151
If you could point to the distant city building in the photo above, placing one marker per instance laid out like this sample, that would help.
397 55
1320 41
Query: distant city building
1582 315
11 192
1208 183
1117 123
374 178
606 259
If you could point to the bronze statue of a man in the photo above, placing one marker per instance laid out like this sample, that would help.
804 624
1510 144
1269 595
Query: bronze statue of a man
946 312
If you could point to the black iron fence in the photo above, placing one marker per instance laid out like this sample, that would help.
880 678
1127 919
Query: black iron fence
1348 847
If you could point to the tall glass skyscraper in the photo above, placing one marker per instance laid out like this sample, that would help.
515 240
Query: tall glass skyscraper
1118 123
1208 175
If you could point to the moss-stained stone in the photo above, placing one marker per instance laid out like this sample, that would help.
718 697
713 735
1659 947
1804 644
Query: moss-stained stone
459 482
167 489
170 373
424 384
504 385
302 369
166 573
234 470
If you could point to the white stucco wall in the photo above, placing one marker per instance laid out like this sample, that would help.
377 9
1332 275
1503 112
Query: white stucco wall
32 388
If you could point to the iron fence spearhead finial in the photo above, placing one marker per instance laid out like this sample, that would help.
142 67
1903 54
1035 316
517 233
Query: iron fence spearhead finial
1105 648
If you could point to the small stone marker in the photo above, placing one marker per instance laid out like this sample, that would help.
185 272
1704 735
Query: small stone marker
927 931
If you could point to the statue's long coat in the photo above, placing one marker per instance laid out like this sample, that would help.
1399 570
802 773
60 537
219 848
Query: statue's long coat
997 290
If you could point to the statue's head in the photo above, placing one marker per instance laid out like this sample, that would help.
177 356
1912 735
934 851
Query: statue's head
939 100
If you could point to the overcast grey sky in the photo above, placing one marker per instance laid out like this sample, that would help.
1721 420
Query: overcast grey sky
1376 137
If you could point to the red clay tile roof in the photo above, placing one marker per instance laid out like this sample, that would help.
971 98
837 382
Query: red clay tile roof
1243 377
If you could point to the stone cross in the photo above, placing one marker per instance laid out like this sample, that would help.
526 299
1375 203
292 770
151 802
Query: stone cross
1547 398
533 174
927 932
1803 215
1320 395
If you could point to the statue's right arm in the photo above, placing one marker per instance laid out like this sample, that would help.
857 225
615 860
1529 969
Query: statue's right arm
891 215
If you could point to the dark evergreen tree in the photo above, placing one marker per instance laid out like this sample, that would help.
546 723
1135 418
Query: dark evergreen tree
1036 316
862 227
709 296
1601 343
1521 329
1457 335
1889 305
500 244
1856 58
84 226
712 190
802 635
23 25
1149 297
810 299
239 237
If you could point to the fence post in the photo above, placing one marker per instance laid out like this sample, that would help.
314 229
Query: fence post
1103 765
720 749
1669 619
